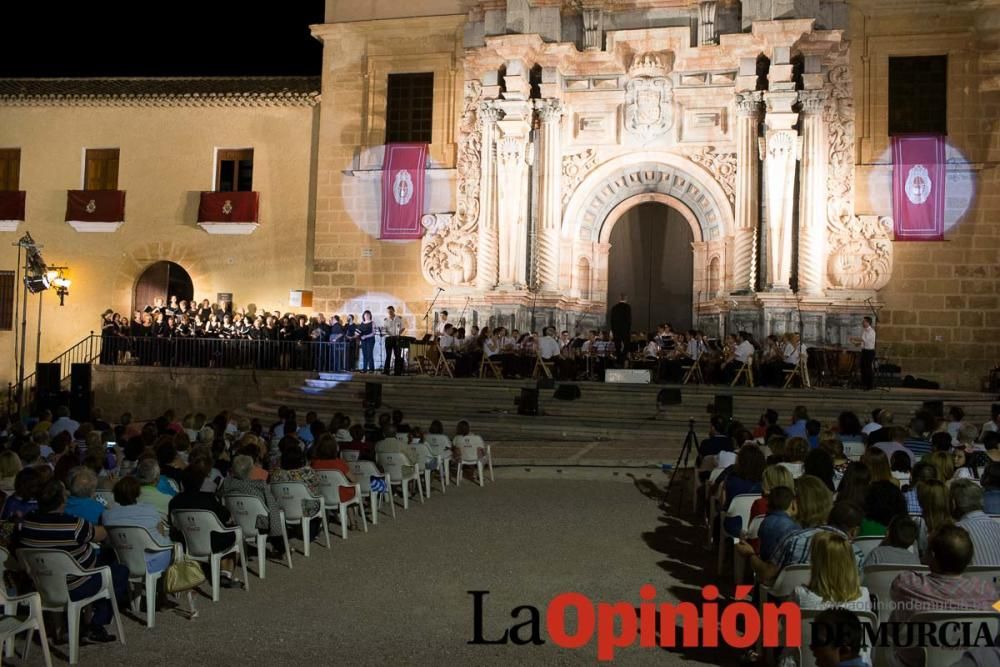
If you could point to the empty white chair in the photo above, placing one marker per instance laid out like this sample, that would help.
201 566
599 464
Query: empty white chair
395 465
470 447
245 510
131 544
330 483
48 569
878 580
197 527
950 627
12 625
364 471
350 455
291 496
867 544
440 466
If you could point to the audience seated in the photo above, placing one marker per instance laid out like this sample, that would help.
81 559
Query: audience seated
242 483
81 502
148 475
128 511
967 510
842 648
779 521
895 548
192 497
883 502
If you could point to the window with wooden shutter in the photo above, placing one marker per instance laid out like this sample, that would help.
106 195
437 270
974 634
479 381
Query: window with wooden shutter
234 170
6 300
918 95
101 169
409 109
10 168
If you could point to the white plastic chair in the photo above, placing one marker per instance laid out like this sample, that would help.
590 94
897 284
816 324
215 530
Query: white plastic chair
11 625
291 496
330 482
867 544
245 510
131 544
48 569
469 447
739 506
197 526
394 464
426 457
783 587
350 455
853 450
878 580
806 658
988 573
363 471
950 624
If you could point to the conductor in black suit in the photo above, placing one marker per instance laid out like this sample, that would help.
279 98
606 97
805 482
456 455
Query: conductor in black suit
621 325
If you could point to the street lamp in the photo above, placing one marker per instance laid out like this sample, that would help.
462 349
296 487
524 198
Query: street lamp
61 282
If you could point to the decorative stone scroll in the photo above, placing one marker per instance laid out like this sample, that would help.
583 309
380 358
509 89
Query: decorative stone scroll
449 245
860 246
574 168
722 166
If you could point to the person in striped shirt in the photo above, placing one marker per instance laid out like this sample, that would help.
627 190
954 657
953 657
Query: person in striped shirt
967 509
917 443
51 528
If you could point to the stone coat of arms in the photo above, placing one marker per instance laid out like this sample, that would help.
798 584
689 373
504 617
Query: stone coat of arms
649 97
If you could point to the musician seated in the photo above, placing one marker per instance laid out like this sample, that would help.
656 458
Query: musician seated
550 352
738 355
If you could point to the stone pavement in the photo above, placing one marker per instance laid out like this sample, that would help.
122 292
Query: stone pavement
398 595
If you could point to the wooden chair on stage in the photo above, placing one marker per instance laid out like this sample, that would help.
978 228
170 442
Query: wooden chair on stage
693 372
745 373
801 371
542 367
444 365
491 367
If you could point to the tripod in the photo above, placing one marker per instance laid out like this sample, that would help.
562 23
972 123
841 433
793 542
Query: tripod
690 442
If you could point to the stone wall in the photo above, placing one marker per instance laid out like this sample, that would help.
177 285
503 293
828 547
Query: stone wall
147 392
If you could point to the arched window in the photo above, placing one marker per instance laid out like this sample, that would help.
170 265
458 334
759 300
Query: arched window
583 278
163 280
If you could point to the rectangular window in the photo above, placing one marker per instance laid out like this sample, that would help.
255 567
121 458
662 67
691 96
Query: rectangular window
234 170
101 169
10 168
6 300
409 107
918 95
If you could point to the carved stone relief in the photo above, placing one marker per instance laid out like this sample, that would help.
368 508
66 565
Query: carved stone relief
722 166
649 97
574 168
861 257
449 245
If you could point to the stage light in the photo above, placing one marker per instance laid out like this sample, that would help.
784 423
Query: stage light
36 284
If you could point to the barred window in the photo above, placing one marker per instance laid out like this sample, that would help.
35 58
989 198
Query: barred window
409 107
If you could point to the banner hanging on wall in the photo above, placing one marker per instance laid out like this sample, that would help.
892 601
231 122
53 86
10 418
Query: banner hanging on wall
918 187
403 191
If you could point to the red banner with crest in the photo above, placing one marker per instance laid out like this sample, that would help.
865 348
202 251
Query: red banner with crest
403 191
918 187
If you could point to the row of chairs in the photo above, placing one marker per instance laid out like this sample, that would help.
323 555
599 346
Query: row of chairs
49 569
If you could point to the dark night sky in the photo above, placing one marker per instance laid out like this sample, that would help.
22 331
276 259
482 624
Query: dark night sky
182 38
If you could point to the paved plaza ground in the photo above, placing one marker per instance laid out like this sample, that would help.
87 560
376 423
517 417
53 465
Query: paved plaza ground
398 595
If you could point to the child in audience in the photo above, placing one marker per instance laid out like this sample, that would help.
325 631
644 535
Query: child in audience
895 548
837 643
779 521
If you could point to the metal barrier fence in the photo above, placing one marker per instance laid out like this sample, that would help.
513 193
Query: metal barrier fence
227 353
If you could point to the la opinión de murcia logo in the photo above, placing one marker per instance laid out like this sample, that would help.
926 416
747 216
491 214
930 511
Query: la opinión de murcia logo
738 624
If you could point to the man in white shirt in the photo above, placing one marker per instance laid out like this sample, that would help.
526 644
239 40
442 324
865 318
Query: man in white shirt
63 422
867 342
548 346
394 328
442 322
447 339
741 353
994 422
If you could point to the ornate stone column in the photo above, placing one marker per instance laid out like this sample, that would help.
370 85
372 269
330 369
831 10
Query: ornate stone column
512 150
780 148
747 205
593 28
550 112
706 22
486 274
812 189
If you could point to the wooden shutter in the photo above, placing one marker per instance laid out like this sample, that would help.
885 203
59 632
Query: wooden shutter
101 172
6 300
10 168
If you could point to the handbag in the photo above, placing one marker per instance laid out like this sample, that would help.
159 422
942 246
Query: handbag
183 575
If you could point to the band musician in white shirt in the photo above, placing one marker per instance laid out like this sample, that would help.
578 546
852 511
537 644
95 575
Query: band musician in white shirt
393 328
740 354
867 343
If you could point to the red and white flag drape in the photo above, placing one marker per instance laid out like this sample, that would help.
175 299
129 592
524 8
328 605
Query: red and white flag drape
918 187
403 191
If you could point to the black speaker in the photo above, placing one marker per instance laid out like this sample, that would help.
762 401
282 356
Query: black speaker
669 397
373 394
48 378
724 406
936 408
546 383
528 404
567 392
81 395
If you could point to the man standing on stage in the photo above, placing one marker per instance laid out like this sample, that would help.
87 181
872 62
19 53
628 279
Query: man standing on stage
621 325
394 328
867 342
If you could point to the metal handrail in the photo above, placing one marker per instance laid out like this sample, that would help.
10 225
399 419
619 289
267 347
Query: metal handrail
83 352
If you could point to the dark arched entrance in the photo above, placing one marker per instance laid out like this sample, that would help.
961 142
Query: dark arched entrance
163 280
652 263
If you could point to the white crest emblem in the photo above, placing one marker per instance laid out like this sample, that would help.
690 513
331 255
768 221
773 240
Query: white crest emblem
402 187
918 184
91 206
227 208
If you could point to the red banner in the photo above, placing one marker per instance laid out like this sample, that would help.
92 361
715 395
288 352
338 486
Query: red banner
11 205
918 187
228 207
403 191
95 206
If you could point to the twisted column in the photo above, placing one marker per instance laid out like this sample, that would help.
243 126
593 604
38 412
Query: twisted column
748 105
812 202
487 264
550 112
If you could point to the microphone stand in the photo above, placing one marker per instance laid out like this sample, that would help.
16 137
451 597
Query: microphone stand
461 318
427 315
802 361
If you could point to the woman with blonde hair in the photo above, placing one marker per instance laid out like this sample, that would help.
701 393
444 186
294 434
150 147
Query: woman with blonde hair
943 463
878 465
935 506
796 450
10 465
834 580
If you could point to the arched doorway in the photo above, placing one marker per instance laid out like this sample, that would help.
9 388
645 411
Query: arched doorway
652 263
163 280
